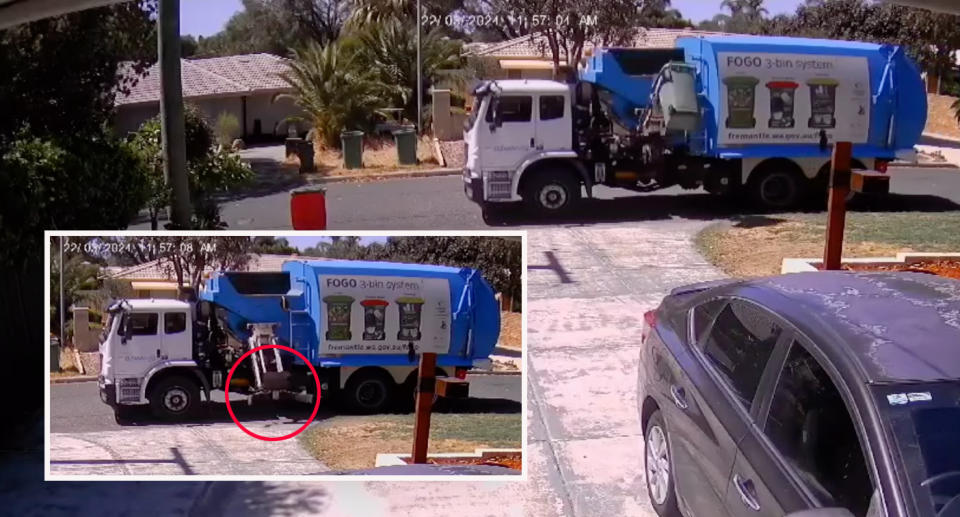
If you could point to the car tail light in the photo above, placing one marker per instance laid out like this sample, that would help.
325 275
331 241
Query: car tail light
461 373
881 166
649 321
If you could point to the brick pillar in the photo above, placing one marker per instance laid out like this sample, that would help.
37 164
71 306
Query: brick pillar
442 122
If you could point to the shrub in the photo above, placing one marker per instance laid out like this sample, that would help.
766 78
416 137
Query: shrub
227 128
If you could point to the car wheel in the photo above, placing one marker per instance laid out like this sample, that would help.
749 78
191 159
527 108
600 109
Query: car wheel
552 192
369 391
659 468
175 398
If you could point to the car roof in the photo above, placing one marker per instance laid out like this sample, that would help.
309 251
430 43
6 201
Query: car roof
532 86
897 326
158 304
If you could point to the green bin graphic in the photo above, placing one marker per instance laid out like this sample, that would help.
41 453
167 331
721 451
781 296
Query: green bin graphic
782 96
338 317
741 100
410 310
374 312
823 103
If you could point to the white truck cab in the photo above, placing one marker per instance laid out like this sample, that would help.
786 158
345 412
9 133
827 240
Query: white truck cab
147 356
516 129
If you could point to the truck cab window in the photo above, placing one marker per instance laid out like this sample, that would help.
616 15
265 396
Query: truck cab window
513 108
809 425
174 322
551 107
142 323
739 345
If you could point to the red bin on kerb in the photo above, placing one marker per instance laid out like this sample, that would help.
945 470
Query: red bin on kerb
308 208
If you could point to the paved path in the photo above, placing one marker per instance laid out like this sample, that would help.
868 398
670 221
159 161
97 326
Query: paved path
588 290
212 449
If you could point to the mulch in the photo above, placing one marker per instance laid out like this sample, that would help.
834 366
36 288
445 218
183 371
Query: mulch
947 268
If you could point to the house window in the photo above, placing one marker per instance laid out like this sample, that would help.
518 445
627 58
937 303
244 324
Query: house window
514 74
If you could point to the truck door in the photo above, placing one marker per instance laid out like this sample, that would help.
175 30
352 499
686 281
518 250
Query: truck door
554 127
504 148
140 344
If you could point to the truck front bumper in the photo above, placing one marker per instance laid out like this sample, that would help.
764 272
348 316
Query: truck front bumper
108 392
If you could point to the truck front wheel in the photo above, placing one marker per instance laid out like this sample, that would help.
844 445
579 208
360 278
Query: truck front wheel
551 192
175 398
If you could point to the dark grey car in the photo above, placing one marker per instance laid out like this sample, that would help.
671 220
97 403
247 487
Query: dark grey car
829 393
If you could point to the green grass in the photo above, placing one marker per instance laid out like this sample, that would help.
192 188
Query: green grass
926 231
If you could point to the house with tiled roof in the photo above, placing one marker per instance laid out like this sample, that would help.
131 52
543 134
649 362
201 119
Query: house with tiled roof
243 85
529 57
156 279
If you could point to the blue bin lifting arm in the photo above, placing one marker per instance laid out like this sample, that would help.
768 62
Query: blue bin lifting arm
465 309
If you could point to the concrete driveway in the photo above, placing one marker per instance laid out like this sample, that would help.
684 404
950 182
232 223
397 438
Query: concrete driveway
588 290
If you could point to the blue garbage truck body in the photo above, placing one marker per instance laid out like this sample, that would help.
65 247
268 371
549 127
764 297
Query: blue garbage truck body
729 114
361 328
295 300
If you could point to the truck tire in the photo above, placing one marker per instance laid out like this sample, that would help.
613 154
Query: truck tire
176 397
369 391
551 191
410 391
778 185
124 415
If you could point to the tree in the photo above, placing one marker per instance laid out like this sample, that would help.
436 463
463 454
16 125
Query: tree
272 246
189 258
211 169
568 25
261 26
319 20
746 17
390 48
336 91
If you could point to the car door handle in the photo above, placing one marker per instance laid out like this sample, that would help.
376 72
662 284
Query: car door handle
679 397
747 492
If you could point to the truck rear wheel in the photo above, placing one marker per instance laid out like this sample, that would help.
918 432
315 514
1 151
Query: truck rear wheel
369 391
175 398
778 186
552 191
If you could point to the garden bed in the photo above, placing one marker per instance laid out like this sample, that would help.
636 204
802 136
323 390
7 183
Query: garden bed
379 155
947 268
510 460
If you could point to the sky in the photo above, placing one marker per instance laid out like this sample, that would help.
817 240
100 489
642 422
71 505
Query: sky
302 243
207 17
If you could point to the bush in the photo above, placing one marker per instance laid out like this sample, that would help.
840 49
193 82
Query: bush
210 171
227 128
91 182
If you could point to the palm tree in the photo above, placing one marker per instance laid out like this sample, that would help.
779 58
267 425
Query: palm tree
390 48
334 89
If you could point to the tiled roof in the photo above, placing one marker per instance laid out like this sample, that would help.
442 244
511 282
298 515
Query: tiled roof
210 77
153 270
536 46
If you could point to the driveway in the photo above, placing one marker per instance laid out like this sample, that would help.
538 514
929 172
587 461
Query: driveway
588 290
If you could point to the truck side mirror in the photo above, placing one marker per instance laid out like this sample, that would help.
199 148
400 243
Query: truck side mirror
127 331
497 116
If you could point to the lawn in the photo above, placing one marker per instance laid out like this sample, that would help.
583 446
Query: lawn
352 442
757 245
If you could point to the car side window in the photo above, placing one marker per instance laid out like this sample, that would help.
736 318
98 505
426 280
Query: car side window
739 345
174 322
142 323
551 107
811 428
513 108
703 316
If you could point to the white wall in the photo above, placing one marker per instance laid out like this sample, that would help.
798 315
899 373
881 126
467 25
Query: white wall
272 115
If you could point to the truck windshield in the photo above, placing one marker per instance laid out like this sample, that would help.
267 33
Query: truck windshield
925 421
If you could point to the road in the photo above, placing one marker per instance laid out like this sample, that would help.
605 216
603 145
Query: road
439 203
76 407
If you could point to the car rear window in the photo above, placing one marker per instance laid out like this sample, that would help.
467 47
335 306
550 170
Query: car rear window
739 345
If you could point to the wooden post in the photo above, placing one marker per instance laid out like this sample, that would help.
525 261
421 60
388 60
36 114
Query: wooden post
837 204
426 382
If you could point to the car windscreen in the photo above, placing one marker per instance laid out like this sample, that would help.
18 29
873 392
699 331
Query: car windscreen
924 420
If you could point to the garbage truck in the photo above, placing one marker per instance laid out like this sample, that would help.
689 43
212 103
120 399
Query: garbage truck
748 115
361 325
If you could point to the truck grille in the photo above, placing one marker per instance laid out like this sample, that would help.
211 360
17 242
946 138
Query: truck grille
499 184
129 390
